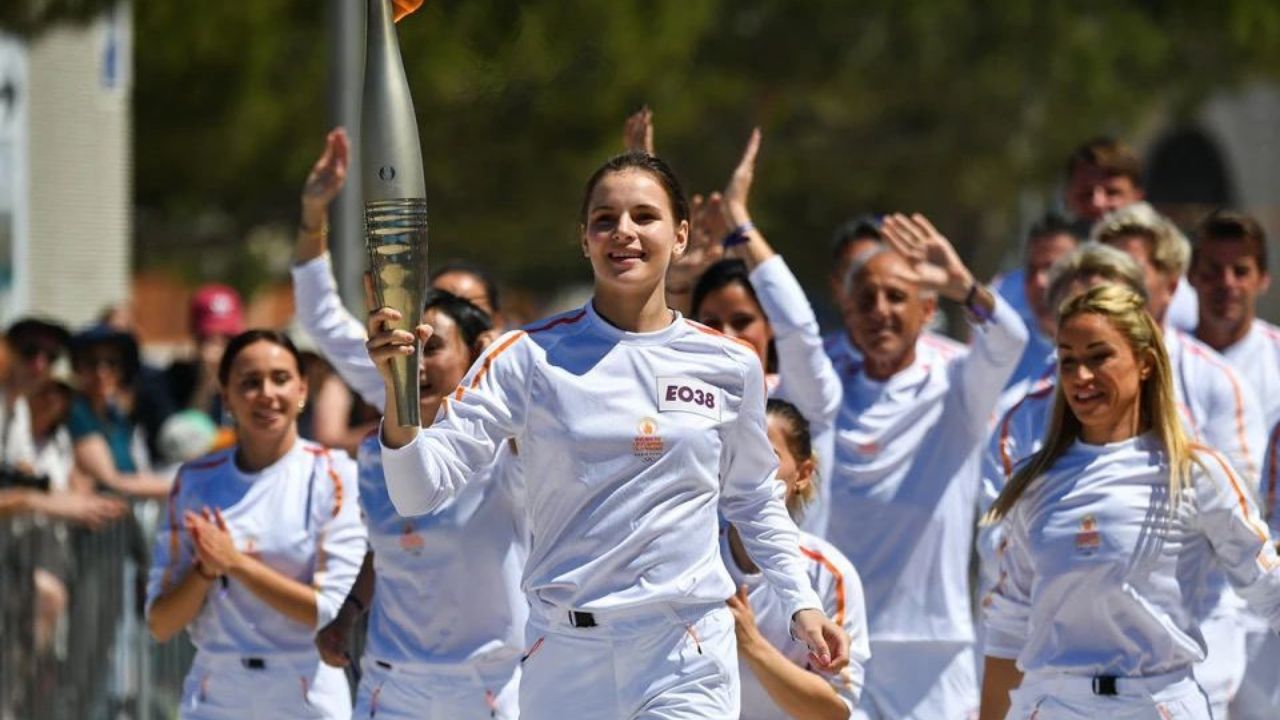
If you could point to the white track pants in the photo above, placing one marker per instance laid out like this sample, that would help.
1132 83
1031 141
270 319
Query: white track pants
416 692
663 663
1223 668
1259 695
919 681
227 688
1064 697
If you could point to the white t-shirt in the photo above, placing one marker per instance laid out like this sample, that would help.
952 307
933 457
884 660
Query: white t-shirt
1100 577
834 579
630 443
299 516
448 582
906 483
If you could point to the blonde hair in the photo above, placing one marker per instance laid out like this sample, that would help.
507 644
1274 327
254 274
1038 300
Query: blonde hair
1170 249
1158 409
1092 261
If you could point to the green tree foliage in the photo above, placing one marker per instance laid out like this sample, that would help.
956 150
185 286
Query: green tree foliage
951 107
29 18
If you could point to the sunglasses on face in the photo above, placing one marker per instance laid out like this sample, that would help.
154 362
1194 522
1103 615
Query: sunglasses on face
30 351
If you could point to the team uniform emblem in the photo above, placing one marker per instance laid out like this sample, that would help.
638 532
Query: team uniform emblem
647 444
1088 539
410 541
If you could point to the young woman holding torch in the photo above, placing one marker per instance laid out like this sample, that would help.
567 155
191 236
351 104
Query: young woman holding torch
635 426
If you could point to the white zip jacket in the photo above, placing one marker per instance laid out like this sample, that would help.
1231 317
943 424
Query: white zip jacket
299 516
906 483
447 588
630 443
339 336
1101 577
805 376
834 579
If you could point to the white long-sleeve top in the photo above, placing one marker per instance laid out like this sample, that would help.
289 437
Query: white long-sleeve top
1216 410
1256 357
1101 577
299 516
805 376
339 336
833 577
630 443
447 588
906 484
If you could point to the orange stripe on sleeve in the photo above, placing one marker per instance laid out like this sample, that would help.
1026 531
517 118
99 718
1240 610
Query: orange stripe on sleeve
835 572
716 333
488 362
1241 434
1235 486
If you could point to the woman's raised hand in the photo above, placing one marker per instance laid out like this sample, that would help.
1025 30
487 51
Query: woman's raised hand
323 184
934 261
706 230
637 132
738 191
328 175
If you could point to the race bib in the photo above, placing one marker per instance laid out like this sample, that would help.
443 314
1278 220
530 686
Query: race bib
676 394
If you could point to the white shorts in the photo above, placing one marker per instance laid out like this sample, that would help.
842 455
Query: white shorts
1056 696
264 688
1259 694
919 681
417 692
659 663
1222 670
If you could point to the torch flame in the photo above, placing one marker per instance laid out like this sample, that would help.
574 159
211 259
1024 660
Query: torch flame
405 8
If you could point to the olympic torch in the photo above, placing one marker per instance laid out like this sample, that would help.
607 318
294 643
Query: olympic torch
395 192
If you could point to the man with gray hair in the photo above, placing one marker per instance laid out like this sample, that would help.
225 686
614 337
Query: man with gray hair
905 482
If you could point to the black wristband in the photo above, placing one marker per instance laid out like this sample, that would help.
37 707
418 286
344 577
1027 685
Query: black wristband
979 313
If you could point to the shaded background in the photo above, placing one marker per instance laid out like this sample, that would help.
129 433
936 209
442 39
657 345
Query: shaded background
961 109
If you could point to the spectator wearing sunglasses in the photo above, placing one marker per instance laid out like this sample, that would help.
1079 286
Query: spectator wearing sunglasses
107 422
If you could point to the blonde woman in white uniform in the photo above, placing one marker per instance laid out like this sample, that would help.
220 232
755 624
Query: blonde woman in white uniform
259 548
1110 531
634 427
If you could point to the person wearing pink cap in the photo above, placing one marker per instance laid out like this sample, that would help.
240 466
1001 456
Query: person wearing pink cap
216 315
